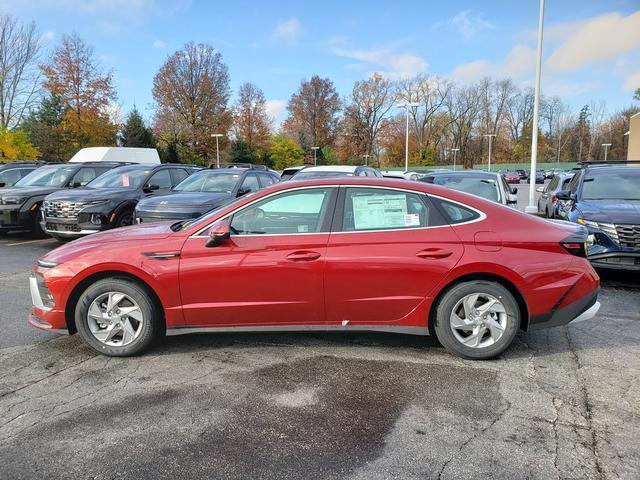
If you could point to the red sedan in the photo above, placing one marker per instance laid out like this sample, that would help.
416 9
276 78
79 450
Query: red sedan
341 254
512 177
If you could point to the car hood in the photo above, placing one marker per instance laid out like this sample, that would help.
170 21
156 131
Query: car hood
88 194
611 211
74 249
182 200
28 191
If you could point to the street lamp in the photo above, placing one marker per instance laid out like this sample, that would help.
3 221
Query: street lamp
490 135
406 142
455 151
315 149
532 207
606 149
366 158
217 136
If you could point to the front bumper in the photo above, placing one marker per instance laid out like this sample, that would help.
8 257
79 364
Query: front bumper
12 218
45 314
70 227
583 309
621 261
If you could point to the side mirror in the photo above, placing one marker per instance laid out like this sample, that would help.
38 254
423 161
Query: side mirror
3 184
218 233
540 189
150 188
76 184
564 195
514 190
243 191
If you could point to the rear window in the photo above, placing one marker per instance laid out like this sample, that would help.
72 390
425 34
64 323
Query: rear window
454 212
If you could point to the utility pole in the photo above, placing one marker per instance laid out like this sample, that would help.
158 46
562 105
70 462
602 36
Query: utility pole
217 136
490 135
315 159
406 106
606 149
532 207
366 158
455 151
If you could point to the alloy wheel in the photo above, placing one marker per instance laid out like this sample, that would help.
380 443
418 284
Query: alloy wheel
115 319
478 320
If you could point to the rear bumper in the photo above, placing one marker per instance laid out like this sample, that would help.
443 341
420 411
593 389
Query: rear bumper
583 309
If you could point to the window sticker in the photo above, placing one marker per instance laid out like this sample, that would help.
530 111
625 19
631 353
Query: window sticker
303 228
125 180
379 211
412 220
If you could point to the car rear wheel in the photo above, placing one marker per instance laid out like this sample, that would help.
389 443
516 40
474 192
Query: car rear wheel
116 317
477 319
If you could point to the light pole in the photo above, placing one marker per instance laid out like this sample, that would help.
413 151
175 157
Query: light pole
406 140
366 158
532 207
455 151
606 149
490 135
315 160
217 136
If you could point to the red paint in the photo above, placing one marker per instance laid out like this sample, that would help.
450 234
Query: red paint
378 278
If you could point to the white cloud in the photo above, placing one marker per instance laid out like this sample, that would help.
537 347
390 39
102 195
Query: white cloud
632 82
276 109
597 40
566 88
159 44
288 31
47 36
469 23
519 63
386 60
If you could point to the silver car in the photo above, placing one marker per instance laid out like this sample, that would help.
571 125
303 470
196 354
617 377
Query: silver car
489 185
548 204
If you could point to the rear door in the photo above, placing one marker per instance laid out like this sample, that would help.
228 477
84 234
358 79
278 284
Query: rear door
388 250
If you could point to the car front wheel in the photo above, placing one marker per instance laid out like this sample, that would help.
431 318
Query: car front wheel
116 317
477 319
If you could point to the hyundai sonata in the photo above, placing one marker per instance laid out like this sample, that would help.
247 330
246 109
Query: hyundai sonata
340 254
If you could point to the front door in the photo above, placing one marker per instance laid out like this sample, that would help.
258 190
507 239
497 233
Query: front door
390 250
270 272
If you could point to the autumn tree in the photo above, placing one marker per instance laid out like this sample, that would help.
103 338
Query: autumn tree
370 102
19 77
73 75
251 122
135 133
44 126
313 113
191 90
15 145
285 152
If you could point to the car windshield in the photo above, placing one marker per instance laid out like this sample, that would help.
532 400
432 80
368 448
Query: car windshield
123 177
482 187
619 185
49 176
306 174
213 182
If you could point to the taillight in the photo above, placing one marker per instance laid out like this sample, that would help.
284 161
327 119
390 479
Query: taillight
554 199
577 249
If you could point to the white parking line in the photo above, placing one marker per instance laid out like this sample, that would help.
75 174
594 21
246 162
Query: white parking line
28 241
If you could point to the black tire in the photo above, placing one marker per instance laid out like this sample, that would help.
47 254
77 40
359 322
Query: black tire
36 229
548 213
152 326
124 219
453 296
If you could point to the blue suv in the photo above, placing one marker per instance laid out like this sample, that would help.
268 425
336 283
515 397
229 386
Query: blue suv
605 197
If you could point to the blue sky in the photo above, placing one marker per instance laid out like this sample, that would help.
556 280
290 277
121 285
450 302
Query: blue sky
591 48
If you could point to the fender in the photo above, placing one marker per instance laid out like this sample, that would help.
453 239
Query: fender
129 204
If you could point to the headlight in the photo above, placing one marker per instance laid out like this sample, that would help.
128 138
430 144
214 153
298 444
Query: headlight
13 200
591 240
47 263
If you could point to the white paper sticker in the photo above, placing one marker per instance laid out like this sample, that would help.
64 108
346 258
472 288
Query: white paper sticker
303 228
379 211
412 220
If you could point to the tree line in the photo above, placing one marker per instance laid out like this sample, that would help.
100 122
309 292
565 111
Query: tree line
53 105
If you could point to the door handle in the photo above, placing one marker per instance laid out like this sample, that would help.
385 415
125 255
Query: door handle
303 256
433 253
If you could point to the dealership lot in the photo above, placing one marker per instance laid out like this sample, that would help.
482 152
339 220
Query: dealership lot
560 403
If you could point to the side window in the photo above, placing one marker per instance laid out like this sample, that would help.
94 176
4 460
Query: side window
454 212
9 177
266 179
162 179
381 209
83 176
565 183
301 211
551 186
573 184
250 183
179 174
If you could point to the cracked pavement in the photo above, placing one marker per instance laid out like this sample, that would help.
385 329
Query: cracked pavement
561 403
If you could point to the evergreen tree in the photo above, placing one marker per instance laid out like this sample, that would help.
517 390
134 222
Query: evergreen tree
135 133
46 130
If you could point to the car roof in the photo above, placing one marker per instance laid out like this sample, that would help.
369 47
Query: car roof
469 173
611 168
333 168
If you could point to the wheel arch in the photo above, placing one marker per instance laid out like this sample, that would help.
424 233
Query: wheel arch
82 285
492 277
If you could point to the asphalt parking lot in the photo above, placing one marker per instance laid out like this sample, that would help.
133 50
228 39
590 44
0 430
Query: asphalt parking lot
561 403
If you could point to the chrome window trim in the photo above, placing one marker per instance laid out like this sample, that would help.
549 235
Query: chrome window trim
482 215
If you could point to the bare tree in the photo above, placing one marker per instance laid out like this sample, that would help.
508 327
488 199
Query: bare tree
371 100
251 122
519 113
463 106
19 76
